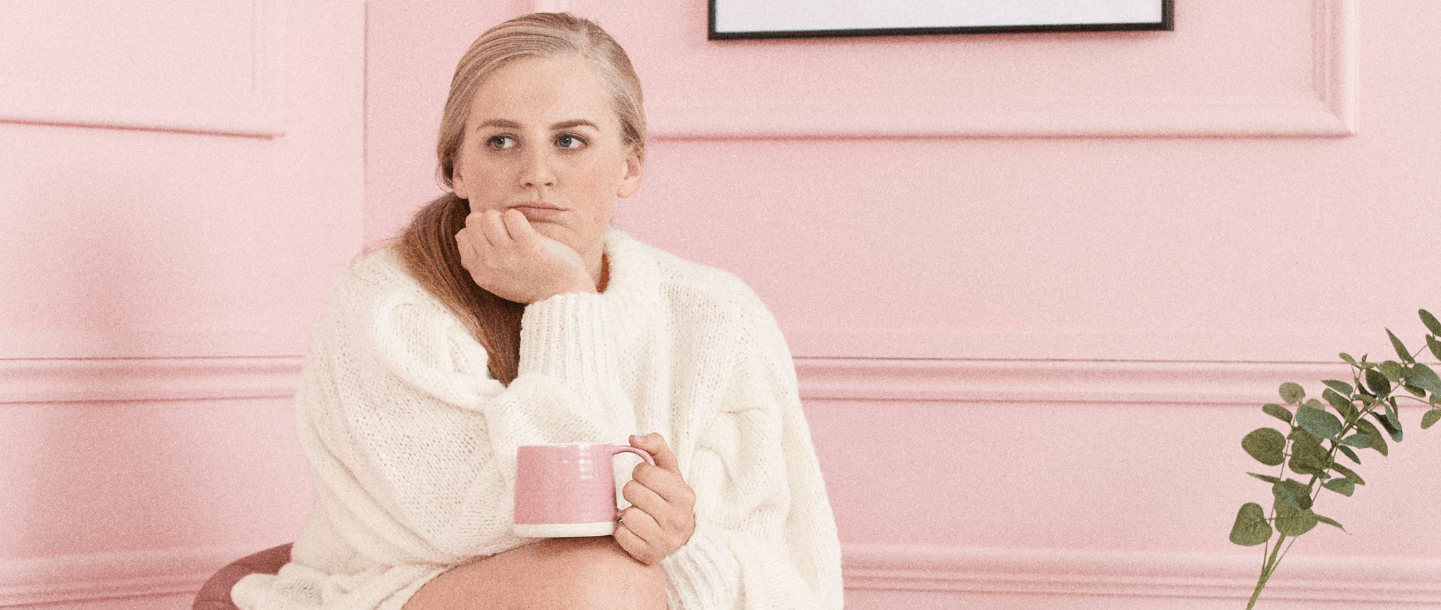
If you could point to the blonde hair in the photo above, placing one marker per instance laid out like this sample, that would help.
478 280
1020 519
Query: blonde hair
428 245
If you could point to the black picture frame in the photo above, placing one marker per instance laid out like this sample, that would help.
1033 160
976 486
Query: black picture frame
1166 23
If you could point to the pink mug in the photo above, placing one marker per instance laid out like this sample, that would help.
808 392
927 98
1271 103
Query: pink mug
567 490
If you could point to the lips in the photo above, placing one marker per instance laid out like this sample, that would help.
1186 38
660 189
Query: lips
538 210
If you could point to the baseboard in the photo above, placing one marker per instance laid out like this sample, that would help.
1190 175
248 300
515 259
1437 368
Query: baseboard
954 571
147 573
141 379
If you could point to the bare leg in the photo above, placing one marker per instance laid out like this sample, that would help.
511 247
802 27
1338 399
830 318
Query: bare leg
559 573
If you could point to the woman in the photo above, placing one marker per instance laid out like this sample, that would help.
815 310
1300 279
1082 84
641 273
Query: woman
510 313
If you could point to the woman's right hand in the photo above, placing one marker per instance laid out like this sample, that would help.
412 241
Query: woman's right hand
506 256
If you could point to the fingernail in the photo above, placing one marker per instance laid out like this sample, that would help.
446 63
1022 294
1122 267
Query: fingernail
635 439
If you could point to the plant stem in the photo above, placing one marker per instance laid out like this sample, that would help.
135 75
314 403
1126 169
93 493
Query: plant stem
1266 571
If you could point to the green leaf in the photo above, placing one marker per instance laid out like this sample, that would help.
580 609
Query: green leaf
1267 478
1391 421
1413 390
1358 440
1378 383
1435 346
1309 457
1292 393
1278 412
1250 528
1378 440
1424 377
1318 422
1401 350
1294 522
1392 370
1350 453
1341 403
1341 486
1430 418
1431 323
1340 386
1329 521
1267 445
1347 357
1292 493
1348 473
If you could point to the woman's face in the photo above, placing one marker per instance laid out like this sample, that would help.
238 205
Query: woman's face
542 138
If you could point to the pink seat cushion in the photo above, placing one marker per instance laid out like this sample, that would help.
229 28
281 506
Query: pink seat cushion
215 593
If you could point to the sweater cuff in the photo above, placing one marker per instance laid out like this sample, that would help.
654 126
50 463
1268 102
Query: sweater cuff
702 574
568 337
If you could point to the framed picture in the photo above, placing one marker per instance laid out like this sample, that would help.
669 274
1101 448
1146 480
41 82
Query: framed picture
735 19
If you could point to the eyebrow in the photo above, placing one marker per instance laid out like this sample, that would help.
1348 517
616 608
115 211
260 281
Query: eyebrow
504 124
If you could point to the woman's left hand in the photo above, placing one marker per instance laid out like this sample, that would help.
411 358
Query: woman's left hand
661 517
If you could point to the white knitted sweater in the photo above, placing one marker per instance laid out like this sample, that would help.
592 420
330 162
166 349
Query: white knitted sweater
412 444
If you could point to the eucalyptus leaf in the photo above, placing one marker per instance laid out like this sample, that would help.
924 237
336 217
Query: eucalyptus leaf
1293 522
1267 478
1377 382
1435 346
1347 357
1430 418
1348 473
1267 445
1391 421
1358 440
1401 350
1250 528
1424 377
1309 457
1329 521
1350 453
1341 486
1392 370
1340 386
1292 493
1292 393
1413 390
1341 403
1278 412
1318 422
1431 323
1378 441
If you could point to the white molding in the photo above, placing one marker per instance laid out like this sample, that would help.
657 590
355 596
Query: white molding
1055 381
1050 381
137 379
114 575
174 106
1080 572
1329 110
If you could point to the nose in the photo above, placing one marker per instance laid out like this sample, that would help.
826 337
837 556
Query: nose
536 169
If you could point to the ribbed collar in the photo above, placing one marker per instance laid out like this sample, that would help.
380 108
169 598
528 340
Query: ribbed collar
634 287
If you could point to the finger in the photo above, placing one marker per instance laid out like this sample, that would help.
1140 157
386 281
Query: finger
655 445
493 229
467 249
643 525
633 544
518 226
643 497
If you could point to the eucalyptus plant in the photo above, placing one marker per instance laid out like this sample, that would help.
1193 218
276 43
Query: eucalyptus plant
1316 435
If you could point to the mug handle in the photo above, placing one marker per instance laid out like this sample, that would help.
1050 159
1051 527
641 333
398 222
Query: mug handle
619 449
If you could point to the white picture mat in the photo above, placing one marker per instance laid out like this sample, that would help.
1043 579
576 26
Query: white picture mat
802 15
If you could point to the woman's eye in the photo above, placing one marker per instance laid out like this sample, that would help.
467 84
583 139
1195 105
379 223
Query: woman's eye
500 142
569 142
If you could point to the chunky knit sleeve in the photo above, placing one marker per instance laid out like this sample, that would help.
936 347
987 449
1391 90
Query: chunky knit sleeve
414 438
765 534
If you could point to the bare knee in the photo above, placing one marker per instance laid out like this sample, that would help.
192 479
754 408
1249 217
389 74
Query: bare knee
561 573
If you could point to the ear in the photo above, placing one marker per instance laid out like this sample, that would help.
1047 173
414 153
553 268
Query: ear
457 180
631 174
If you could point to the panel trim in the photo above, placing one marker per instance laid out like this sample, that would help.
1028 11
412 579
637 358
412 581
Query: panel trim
1329 110
138 379
260 113
1376 580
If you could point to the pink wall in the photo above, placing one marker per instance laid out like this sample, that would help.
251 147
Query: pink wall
1059 272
